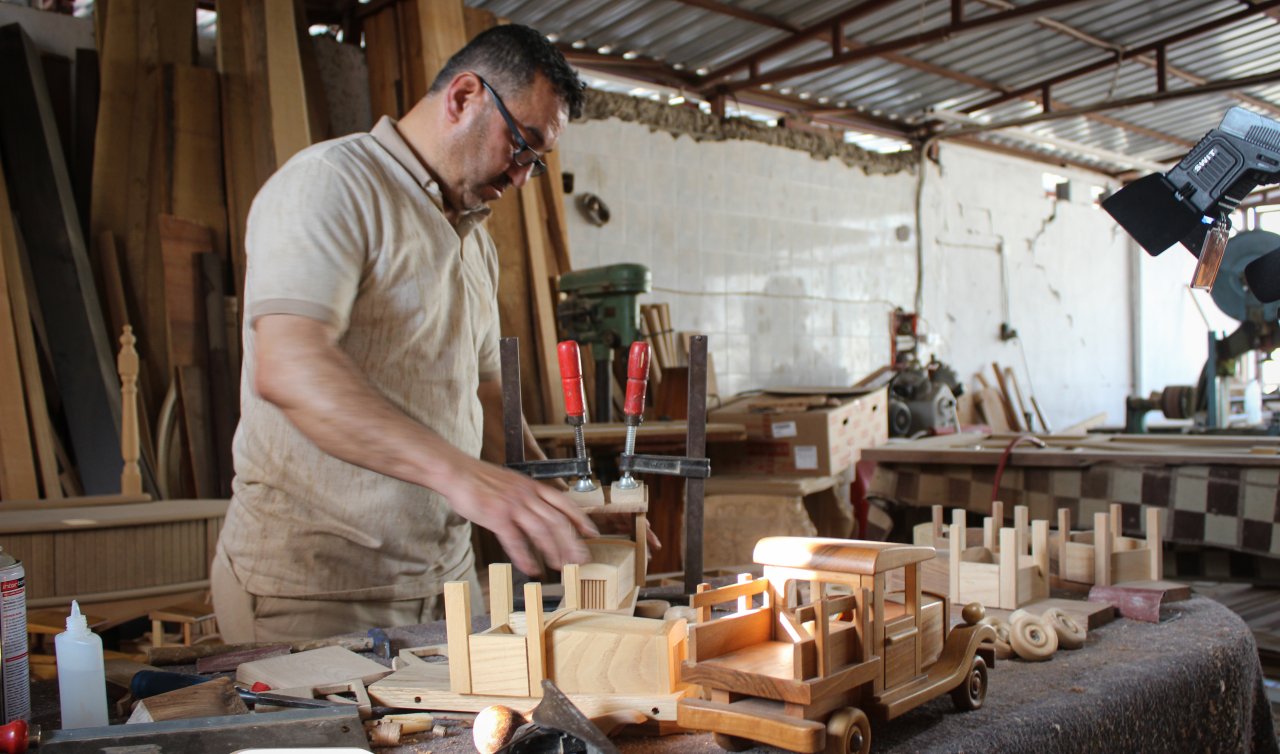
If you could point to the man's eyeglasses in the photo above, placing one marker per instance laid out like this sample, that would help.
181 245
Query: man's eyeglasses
524 156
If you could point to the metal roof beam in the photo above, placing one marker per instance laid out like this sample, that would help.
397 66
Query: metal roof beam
803 35
1210 87
725 9
949 31
1123 55
1144 59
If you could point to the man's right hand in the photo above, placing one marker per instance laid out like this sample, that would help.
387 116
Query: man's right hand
525 515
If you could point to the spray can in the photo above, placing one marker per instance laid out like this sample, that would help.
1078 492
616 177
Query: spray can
15 702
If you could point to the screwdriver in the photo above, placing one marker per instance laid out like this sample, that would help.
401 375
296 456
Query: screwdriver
633 407
574 407
16 737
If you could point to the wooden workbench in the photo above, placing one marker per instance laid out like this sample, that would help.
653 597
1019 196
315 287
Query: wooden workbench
1222 491
1190 683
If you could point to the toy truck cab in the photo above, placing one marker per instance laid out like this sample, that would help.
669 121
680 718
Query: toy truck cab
826 645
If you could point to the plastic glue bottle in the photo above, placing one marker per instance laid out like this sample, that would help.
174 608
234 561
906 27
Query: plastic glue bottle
82 682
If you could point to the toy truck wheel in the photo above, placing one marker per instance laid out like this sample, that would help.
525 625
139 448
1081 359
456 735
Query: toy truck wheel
972 692
848 732
732 743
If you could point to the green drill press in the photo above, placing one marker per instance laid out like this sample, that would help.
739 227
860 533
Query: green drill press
599 307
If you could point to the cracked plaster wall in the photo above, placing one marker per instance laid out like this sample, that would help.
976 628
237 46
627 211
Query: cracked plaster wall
792 265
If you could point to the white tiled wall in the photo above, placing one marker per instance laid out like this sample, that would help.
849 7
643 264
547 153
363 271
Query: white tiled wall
792 265
789 264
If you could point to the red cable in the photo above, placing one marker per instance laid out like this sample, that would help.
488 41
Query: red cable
1004 459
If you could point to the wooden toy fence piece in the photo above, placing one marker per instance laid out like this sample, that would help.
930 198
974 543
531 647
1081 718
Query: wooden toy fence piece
1105 556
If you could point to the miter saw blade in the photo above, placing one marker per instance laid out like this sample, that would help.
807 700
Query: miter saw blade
1230 291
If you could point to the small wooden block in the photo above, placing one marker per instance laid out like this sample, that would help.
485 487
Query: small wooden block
232 660
53 621
314 668
1173 591
1091 615
212 699
186 612
1132 603
619 496
588 499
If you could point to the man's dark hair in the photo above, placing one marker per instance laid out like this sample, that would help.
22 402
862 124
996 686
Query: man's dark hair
509 57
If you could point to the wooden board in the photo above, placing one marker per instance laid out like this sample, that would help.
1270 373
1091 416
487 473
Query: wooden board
17 460
209 699
75 552
382 55
223 381
425 685
240 122
295 124
83 360
181 241
313 668
442 32
194 130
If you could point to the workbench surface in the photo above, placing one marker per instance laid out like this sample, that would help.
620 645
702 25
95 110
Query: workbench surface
1190 683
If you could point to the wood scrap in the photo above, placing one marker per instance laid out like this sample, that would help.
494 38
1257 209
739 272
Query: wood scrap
210 699
315 667
1011 415
227 661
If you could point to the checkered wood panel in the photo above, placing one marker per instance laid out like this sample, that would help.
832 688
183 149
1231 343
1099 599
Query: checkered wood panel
1232 507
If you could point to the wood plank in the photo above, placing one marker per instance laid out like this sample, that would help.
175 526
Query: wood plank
543 300
15 286
82 357
195 131
413 78
382 55
17 460
312 668
443 33
294 123
241 122
181 241
515 314
224 401
194 398
85 126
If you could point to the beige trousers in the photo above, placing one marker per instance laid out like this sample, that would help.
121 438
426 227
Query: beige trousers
245 617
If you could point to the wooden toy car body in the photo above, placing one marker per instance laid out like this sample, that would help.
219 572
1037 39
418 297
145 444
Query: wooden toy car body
804 675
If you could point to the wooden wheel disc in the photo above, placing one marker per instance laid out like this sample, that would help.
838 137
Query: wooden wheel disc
1071 634
1033 640
848 732
972 692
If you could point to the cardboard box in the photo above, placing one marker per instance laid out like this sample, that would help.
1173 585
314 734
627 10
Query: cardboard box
739 510
820 432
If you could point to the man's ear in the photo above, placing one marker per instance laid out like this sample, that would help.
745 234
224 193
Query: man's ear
463 94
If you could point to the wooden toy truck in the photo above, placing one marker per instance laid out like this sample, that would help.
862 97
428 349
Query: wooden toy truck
808 675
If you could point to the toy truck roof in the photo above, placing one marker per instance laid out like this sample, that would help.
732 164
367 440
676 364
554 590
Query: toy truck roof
838 555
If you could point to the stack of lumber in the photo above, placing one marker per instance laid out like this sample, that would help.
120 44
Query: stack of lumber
130 211
127 204
1002 407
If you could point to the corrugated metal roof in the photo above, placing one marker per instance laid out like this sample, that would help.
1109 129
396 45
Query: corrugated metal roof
903 89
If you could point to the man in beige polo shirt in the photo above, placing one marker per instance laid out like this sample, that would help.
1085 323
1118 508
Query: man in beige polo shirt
371 375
